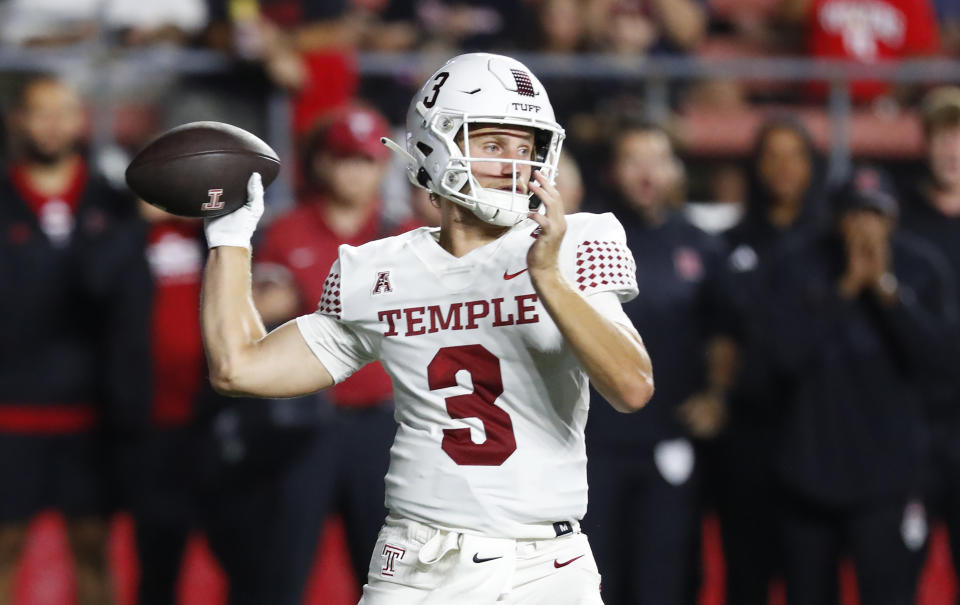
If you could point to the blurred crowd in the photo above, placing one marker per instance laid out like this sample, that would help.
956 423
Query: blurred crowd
804 329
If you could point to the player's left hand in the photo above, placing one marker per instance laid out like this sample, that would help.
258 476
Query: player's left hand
542 258
236 228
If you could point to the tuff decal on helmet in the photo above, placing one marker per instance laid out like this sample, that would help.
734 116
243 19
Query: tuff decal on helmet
469 90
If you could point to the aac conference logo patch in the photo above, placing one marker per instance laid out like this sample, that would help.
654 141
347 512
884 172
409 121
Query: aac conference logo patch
382 284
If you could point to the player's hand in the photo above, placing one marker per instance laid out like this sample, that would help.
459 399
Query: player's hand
854 277
236 228
868 257
542 258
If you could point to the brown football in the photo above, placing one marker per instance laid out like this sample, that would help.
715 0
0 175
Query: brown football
201 169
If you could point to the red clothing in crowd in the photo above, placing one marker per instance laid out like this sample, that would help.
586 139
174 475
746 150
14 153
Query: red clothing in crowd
870 31
55 213
175 255
332 75
302 243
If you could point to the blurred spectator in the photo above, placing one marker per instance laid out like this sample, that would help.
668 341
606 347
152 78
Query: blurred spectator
48 22
784 203
52 389
640 27
157 261
309 48
643 472
477 25
784 190
632 28
948 16
854 328
59 22
866 31
569 183
560 26
344 164
934 214
171 21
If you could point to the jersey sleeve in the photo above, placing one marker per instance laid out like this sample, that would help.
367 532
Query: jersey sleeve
340 348
602 261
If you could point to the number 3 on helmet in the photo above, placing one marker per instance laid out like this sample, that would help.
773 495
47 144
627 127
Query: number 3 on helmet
471 89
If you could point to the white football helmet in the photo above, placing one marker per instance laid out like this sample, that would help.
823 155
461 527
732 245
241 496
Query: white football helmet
478 88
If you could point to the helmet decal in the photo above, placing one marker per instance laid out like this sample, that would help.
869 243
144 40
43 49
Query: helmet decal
524 85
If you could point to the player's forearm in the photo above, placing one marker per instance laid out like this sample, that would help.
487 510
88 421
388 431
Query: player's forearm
615 360
231 324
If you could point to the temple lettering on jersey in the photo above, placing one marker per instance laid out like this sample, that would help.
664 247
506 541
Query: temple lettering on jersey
415 321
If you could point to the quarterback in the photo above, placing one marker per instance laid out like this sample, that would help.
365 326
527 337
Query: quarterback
490 327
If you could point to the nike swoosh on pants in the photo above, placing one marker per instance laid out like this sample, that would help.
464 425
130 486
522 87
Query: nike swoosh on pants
558 564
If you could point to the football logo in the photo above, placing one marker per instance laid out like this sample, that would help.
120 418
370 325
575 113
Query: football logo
214 202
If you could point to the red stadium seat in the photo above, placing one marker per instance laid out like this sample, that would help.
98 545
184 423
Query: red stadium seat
730 133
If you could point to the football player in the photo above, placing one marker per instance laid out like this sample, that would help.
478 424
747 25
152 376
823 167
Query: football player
490 327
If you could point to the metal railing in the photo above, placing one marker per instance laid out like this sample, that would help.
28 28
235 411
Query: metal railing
111 70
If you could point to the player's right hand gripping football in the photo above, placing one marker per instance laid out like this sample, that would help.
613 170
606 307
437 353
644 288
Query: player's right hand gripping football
236 228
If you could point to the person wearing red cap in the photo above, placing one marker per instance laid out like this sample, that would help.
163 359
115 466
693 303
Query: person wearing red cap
343 167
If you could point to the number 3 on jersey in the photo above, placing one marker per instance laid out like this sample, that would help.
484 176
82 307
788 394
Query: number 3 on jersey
484 370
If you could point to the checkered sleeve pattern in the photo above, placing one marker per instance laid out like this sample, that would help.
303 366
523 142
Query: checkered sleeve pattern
330 300
605 265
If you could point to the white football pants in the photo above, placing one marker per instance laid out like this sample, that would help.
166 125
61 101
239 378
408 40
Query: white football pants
415 564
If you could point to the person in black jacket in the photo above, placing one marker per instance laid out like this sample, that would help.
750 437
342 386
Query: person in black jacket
784 203
933 212
52 319
854 328
643 470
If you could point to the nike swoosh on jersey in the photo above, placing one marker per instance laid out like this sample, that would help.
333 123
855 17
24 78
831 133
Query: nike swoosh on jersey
512 275
477 559
558 564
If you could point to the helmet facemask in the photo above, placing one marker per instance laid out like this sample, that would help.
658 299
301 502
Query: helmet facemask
458 183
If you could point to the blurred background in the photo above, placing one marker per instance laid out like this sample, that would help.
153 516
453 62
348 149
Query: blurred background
128 481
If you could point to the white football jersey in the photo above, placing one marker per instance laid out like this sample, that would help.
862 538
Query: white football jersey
491 403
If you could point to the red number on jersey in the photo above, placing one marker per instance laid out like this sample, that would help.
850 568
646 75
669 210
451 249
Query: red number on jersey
484 370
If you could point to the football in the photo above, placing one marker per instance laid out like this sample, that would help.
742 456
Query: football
201 169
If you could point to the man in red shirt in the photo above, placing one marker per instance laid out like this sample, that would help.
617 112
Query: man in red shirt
52 209
868 31
343 169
